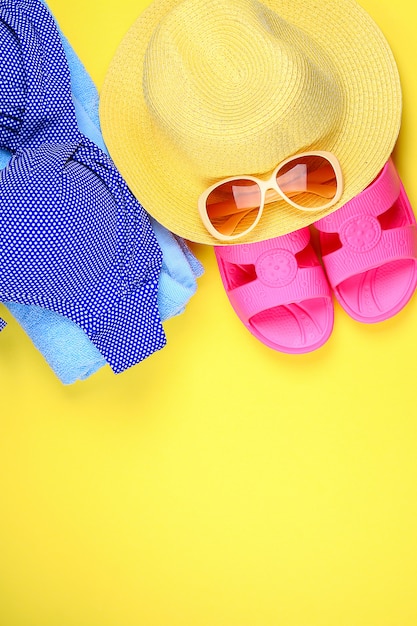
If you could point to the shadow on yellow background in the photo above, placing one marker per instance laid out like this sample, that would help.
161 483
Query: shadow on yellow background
218 483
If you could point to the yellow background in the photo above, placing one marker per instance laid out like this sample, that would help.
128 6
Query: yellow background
219 483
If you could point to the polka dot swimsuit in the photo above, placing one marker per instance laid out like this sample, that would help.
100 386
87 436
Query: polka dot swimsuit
73 238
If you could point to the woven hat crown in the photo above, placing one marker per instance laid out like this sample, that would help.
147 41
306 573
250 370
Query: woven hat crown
237 89
199 91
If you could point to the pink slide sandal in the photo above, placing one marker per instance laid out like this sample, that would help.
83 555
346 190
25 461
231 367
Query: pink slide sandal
369 250
279 291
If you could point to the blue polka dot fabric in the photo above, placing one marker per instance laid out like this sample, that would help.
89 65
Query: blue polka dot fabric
73 238
35 83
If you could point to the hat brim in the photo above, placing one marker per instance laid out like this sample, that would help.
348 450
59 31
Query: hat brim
368 130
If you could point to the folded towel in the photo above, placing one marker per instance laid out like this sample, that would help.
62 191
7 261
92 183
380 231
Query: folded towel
64 345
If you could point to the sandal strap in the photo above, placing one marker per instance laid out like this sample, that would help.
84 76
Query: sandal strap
364 244
374 200
392 245
247 254
257 296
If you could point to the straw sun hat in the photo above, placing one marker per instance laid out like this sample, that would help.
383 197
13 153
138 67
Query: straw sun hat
200 90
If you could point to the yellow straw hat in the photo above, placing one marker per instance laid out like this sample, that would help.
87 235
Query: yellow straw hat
202 90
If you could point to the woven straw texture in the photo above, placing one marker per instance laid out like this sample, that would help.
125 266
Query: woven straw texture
198 91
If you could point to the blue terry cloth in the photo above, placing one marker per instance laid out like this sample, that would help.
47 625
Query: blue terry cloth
63 344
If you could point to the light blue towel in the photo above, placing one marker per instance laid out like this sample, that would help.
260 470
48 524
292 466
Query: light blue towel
63 344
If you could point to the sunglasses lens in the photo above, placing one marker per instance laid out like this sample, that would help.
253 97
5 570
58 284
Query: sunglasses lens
233 206
309 181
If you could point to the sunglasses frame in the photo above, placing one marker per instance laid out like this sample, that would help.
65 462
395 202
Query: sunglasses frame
264 186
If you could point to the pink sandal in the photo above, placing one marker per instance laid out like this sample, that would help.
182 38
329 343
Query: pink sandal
369 250
279 291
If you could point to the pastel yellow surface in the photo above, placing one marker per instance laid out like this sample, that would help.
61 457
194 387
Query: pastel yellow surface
219 483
